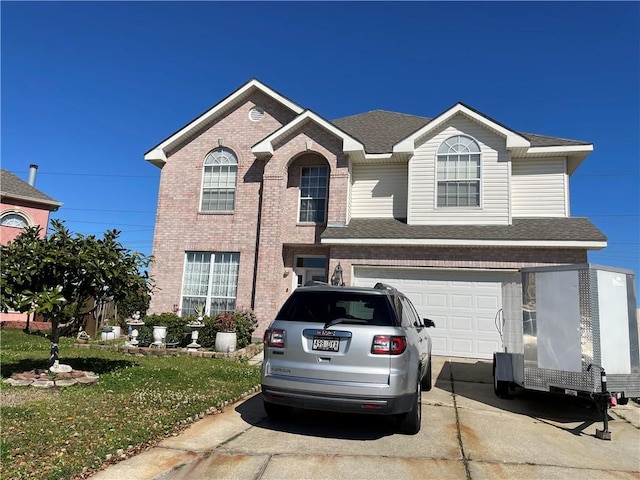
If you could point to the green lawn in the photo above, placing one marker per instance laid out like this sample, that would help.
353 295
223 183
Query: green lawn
56 433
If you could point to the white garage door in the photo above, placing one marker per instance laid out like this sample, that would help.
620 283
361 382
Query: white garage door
463 305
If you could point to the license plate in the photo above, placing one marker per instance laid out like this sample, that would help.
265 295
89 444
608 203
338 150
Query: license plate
326 344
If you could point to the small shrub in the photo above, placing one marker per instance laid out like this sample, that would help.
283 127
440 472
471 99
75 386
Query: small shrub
226 322
246 323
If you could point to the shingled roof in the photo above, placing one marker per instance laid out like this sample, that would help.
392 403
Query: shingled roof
380 130
12 187
561 229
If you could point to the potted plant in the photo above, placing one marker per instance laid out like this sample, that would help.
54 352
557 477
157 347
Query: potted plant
226 338
83 337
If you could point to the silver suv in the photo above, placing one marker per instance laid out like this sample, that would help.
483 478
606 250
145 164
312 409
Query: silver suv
348 349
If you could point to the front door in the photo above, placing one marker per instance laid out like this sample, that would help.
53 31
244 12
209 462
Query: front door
309 268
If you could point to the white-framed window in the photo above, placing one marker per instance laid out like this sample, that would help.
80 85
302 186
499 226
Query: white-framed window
219 178
458 176
15 220
210 279
313 194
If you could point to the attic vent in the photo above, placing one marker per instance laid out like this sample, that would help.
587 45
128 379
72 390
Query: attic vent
256 114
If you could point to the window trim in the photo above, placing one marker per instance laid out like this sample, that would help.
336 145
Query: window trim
27 220
478 179
205 166
208 298
325 198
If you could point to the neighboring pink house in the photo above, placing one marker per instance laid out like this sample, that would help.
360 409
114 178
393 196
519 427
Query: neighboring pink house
22 205
258 196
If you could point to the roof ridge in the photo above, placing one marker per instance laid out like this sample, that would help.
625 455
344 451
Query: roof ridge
384 111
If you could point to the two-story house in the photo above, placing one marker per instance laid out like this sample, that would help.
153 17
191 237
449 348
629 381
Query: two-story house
259 195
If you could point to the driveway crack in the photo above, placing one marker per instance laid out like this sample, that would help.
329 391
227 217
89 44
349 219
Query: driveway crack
465 460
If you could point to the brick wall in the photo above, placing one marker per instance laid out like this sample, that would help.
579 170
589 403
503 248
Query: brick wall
179 224
267 193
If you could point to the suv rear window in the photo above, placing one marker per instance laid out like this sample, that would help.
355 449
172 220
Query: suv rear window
324 306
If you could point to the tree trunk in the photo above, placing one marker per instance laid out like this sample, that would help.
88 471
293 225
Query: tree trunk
55 339
26 328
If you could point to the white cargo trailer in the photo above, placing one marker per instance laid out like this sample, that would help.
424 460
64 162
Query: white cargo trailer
577 335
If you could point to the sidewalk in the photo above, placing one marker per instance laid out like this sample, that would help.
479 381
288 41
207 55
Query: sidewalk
257 359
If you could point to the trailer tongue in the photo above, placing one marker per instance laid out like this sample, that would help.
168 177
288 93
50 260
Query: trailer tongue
578 335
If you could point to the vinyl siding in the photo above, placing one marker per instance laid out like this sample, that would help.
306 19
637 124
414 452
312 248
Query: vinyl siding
539 188
379 191
494 184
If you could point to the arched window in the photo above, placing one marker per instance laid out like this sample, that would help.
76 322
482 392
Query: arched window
459 172
219 181
14 220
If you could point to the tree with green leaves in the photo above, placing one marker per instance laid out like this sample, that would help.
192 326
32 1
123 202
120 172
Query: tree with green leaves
58 276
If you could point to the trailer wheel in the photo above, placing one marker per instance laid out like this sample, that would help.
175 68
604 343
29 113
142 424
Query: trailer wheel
500 387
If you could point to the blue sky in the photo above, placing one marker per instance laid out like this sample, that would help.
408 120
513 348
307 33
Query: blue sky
87 87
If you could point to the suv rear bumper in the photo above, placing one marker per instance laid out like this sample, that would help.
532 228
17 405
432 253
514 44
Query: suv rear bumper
338 403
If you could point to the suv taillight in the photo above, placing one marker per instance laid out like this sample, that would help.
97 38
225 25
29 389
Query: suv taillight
388 345
274 337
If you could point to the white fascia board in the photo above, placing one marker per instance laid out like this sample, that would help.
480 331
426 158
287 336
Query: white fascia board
265 147
212 112
156 156
513 139
561 150
26 198
438 242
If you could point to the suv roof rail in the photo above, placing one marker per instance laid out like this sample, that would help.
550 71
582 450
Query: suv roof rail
383 286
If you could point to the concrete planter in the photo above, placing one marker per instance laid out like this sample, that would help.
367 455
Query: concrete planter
159 334
226 342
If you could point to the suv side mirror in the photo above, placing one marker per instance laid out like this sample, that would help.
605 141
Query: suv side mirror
429 323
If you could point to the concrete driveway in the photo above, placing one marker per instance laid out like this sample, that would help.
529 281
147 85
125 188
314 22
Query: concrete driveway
467 433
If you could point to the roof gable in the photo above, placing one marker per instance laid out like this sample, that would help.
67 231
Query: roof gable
514 140
264 148
158 154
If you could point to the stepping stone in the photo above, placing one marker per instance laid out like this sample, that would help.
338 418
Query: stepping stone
87 380
19 382
43 384
65 382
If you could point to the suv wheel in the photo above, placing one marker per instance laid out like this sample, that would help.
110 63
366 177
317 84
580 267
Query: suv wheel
427 381
275 411
409 422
